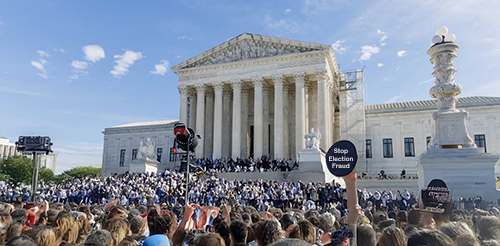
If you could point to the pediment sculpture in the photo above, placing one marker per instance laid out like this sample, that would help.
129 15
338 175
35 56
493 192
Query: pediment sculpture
248 50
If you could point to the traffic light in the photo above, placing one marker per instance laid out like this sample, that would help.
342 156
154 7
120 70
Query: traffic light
185 137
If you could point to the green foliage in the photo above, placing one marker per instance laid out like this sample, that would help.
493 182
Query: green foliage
80 172
17 169
46 175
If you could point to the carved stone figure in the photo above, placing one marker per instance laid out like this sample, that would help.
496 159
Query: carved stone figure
312 139
147 149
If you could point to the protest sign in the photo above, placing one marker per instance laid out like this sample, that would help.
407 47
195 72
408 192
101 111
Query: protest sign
341 158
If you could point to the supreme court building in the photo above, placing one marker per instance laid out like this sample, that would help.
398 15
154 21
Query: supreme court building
256 96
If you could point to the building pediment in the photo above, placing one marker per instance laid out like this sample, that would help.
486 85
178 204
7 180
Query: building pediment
249 46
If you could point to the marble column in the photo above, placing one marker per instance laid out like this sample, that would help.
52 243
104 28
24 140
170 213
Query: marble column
193 103
299 112
244 123
266 98
217 148
336 126
183 92
258 118
278 117
200 119
209 122
227 105
237 115
322 110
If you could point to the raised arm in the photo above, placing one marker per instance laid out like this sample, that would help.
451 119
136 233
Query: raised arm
352 198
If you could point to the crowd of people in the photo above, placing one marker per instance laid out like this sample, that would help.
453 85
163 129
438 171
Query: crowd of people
145 209
169 188
264 164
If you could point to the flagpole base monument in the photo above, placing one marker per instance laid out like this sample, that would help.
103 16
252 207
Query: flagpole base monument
313 167
145 161
452 155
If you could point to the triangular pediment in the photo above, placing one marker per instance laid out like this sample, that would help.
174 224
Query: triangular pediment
249 46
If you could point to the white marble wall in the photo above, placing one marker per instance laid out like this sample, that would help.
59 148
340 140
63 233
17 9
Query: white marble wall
7 149
129 140
418 124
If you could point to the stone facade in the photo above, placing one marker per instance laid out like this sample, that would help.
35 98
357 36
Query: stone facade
7 149
122 144
394 121
413 120
255 80
258 96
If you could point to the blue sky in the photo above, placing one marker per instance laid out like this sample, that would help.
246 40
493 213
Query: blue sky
69 69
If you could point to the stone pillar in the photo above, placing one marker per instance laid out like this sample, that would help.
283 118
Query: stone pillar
183 91
336 126
265 120
227 105
217 148
244 123
192 109
237 115
1 151
307 115
200 119
258 118
209 122
299 112
322 110
278 117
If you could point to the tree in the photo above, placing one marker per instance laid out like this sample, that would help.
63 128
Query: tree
17 169
46 175
79 172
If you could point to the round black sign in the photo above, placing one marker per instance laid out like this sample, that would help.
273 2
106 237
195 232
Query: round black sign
341 158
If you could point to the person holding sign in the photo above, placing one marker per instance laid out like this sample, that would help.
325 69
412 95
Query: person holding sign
347 234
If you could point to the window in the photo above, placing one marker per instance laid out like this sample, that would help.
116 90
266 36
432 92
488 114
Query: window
387 147
480 141
368 148
409 147
428 141
159 151
134 154
122 158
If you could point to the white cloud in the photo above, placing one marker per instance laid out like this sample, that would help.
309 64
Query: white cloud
394 99
384 37
124 61
59 50
401 53
338 46
162 68
178 56
79 69
367 51
40 64
426 82
288 11
93 53
283 27
383 44
380 64
487 89
78 73
182 37
43 53
79 64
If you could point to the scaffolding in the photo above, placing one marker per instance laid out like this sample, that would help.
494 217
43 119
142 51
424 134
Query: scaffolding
352 113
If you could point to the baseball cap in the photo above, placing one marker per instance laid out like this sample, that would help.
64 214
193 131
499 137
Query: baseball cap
156 240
